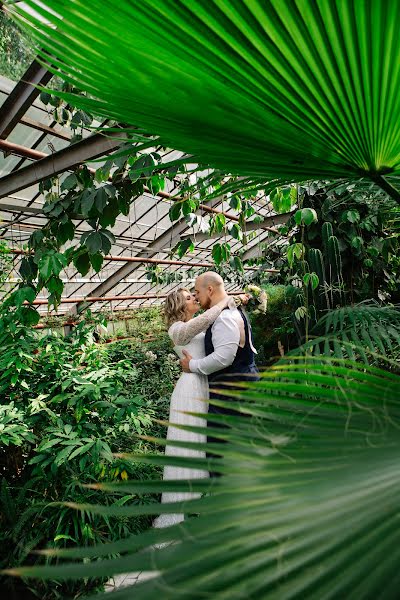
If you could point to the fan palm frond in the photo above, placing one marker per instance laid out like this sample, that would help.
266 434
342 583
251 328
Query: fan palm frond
280 90
307 506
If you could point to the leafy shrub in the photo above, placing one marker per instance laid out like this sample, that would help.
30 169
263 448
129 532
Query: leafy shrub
68 406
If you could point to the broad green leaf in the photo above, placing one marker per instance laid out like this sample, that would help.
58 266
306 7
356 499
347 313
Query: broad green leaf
36 238
51 264
66 231
101 199
188 206
217 253
28 268
82 263
45 97
312 279
357 242
87 201
353 216
81 450
107 239
55 285
235 203
110 213
94 242
96 260
235 231
220 222
184 246
70 182
29 315
175 211
24 294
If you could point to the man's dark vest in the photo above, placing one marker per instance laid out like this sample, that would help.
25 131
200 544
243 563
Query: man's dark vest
243 367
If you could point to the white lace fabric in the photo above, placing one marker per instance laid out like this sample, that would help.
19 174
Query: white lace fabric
182 332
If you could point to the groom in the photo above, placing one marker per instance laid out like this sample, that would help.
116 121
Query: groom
228 346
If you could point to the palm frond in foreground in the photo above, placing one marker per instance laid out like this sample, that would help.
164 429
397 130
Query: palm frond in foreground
281 90
307 506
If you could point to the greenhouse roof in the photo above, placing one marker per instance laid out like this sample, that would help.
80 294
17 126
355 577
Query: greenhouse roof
36 147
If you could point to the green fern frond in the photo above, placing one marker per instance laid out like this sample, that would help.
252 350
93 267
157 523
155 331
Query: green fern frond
366 332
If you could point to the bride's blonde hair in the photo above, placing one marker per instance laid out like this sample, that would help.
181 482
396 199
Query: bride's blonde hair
175 306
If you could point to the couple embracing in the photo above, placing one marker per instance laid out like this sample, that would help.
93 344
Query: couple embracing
216 350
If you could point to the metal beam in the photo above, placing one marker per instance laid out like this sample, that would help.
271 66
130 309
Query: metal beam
21 97
63 135
42 302
21 209
48 165
25 152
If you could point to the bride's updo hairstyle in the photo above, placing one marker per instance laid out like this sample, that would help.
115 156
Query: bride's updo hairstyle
175 306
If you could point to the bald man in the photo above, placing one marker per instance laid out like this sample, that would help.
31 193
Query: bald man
229 350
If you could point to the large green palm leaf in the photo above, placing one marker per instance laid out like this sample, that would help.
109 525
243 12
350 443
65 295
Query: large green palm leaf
282 89
307 506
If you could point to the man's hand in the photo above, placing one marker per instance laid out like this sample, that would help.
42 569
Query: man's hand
185 361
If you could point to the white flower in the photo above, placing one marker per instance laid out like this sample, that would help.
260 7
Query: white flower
254 290
260 295
151 357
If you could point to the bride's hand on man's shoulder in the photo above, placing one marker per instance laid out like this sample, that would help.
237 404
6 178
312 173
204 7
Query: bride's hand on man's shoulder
244 298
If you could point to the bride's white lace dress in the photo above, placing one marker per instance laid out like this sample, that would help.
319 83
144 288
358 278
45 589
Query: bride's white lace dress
190 394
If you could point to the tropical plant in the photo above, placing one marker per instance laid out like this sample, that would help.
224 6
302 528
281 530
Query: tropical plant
278 92
67 406
366 225
15 52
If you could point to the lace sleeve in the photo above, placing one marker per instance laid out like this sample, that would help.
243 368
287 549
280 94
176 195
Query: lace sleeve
181 333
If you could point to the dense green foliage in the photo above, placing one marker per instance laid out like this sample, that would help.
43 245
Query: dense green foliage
274 332
67 405
15 52
310 486
271 90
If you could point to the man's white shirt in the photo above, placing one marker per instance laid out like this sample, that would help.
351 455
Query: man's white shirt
225 333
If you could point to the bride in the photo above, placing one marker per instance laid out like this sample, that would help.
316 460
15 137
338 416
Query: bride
187 332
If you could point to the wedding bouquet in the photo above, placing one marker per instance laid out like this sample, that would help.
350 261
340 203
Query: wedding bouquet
258 299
